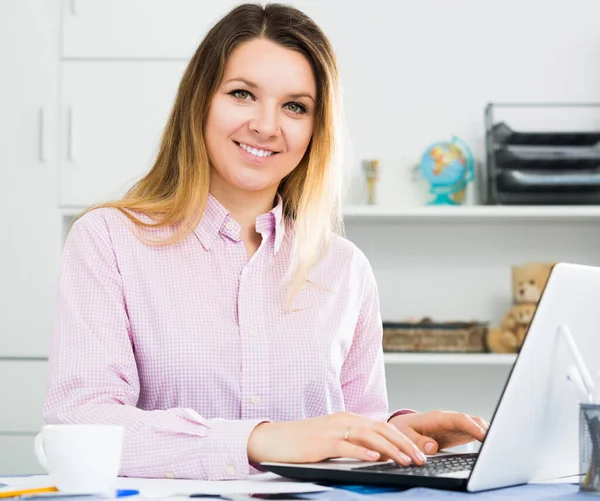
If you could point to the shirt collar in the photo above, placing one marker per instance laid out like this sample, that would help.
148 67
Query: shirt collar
216 217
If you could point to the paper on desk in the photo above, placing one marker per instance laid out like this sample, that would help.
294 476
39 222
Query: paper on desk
263 483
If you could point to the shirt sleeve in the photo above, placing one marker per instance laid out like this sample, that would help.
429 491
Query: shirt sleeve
363 371
93 376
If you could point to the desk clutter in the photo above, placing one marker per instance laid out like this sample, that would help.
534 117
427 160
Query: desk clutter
264 486
589 427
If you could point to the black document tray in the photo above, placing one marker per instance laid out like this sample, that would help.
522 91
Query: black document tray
503 134
548 157
517 180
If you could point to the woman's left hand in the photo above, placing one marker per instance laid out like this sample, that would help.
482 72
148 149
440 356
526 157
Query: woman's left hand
436 430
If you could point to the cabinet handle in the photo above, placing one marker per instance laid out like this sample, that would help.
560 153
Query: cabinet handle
71 135
42 135
73 8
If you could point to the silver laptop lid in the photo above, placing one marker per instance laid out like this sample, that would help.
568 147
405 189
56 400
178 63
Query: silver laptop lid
534 433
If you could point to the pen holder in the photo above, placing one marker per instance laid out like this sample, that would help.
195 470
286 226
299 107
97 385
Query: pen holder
589 448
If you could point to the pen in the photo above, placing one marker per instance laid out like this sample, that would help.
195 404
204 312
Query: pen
281 496
56 495
120 493
586 378
14 494
226 497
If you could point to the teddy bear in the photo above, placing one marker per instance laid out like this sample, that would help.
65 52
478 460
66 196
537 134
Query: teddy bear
528 282
509 337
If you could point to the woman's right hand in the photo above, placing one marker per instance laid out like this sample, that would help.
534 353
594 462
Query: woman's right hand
343 434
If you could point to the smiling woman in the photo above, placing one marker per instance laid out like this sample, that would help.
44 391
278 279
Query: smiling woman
259 124
216 312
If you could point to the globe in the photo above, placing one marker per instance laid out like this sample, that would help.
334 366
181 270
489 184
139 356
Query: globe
447 166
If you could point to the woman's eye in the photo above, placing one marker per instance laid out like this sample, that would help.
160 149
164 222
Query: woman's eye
241 94
296 107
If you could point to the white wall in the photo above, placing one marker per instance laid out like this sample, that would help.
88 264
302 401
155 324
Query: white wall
420 71
414 72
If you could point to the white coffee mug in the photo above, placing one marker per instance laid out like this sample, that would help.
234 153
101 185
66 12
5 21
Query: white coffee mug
81 458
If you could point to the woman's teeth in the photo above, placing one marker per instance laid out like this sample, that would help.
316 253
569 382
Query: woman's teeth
255 152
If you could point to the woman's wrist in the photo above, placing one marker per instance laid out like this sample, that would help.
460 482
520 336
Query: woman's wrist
256 440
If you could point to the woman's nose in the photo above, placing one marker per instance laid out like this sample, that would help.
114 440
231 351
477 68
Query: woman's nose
265 123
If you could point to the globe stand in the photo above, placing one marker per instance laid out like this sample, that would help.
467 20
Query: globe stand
442 194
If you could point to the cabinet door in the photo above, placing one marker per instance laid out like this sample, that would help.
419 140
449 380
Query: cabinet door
30 226
17 456
113 117
133 29
22 390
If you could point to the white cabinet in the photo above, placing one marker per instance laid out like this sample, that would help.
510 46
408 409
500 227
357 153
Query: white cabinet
137 29
17 456
22 386
113 117
30 227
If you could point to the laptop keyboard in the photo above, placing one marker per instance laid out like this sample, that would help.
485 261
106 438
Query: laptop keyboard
436 465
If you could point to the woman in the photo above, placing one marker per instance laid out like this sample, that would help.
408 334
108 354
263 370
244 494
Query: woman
215 312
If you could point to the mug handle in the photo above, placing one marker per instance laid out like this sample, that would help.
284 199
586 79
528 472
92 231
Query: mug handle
38 445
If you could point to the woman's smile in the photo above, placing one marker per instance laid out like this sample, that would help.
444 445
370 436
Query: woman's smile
255 155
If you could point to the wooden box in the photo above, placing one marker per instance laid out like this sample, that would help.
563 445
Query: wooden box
429 336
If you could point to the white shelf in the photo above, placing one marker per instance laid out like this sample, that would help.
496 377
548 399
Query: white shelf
473 212
466 212
450 358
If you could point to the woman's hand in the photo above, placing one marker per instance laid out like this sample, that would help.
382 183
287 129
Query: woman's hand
336 435
436 430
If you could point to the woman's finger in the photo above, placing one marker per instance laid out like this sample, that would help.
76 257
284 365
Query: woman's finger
468 425
371 439
403 442
347 449
481 422
426 444
399 441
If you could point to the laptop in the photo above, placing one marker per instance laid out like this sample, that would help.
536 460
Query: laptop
534 431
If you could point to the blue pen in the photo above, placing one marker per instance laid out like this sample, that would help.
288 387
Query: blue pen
121 493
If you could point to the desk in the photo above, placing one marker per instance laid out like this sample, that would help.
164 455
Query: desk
532 492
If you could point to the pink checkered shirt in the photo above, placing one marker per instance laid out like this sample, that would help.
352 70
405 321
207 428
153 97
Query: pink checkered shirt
190 346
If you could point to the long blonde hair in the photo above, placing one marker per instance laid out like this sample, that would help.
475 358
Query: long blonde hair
175 190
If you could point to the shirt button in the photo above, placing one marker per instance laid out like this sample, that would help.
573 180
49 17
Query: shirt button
253 333
255 399
229 225
169 474
230 470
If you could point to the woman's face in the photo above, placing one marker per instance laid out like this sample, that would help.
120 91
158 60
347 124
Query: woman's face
261 118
